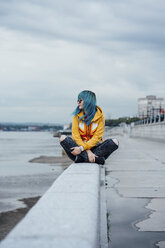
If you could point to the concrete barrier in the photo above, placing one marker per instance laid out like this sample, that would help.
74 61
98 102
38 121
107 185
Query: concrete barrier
116 131
152 131
69 215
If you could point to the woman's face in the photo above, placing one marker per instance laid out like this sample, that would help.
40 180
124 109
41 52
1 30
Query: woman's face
80 103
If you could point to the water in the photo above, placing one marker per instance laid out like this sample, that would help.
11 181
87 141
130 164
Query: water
123 215
17 148
19 178
134 174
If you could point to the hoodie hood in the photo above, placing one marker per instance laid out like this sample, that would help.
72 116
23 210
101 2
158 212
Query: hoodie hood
99 114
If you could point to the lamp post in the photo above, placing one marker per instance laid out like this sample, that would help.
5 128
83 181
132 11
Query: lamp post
160 110
153 114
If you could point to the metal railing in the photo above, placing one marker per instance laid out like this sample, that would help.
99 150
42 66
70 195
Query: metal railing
152 119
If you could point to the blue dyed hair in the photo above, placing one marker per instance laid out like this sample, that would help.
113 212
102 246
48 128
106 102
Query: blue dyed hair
89 105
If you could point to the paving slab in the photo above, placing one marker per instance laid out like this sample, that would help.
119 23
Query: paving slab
137 171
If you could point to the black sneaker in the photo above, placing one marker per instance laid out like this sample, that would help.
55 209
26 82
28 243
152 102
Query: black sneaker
99 160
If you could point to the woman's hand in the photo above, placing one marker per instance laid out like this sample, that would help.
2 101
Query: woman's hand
91 156
75 150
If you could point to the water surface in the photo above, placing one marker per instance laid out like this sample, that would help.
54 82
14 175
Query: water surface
19 178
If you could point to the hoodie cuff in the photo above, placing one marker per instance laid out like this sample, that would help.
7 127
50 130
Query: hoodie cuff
85 146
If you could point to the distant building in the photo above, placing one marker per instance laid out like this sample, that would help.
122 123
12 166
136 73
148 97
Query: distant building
150 106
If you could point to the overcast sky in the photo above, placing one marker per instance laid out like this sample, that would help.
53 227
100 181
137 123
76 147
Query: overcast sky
51 50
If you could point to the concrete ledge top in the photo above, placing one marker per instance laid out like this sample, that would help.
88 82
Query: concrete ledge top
66 216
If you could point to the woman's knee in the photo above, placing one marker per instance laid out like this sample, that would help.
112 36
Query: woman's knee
62 138
116 141
113 142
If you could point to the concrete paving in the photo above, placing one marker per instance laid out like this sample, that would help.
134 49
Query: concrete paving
135 174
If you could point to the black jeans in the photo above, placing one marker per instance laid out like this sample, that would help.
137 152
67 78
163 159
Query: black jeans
102 150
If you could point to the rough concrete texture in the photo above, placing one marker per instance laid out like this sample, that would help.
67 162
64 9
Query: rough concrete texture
137 170
67 216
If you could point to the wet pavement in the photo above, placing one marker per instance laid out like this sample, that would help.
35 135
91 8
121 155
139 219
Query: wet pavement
135 190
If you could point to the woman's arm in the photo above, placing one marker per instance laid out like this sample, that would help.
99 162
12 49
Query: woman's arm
75 132
97 135
91 156
94 140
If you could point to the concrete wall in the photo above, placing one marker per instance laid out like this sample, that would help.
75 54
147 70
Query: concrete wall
153 131
71 214
112 132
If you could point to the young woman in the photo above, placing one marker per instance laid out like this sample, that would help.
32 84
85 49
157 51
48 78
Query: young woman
86 144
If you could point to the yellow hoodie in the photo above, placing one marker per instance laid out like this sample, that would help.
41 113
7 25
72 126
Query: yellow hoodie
88 136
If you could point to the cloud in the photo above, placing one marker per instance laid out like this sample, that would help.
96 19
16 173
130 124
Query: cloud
52 50
89 22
